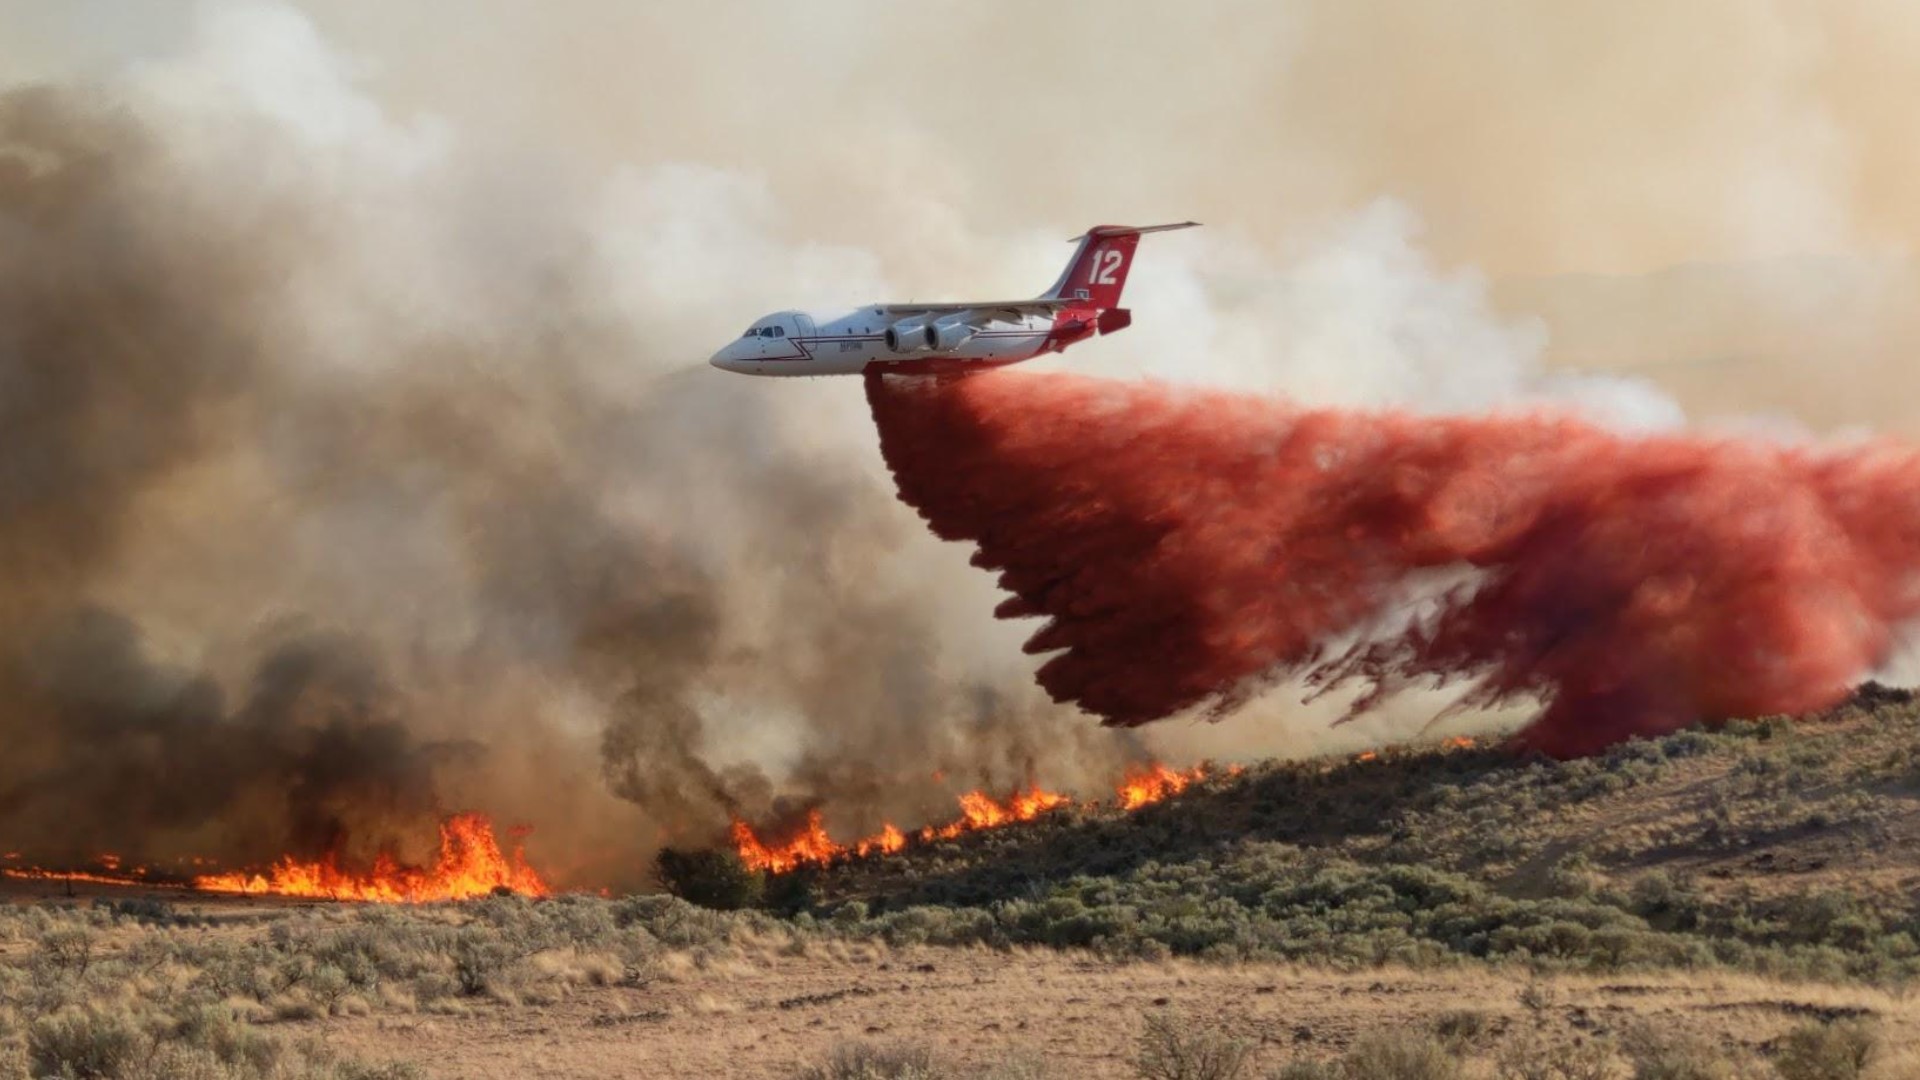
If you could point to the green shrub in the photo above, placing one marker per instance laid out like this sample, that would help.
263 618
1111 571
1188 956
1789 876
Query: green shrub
712 879
791 893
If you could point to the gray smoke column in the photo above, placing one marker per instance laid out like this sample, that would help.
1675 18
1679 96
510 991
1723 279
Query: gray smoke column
343 484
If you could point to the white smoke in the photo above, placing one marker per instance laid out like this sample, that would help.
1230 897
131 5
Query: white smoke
550 234
1355 314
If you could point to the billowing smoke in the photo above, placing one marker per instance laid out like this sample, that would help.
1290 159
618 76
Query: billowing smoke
347 483
358 463
1187 549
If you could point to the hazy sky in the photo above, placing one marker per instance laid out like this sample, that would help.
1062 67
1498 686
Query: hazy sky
1616 136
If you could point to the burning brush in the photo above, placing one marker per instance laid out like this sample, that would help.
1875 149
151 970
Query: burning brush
810 845
470 863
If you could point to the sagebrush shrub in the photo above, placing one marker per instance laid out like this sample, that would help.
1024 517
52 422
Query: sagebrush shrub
1462 1027
1172 1048
866 1061
1827 1051
1308 1069
1399 1056
1657 1055
1532 1056
84 1043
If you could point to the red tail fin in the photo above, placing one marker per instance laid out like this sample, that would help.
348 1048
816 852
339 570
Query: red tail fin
1099 268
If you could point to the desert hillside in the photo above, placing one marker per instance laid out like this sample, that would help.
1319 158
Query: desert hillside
1735 903
1773 846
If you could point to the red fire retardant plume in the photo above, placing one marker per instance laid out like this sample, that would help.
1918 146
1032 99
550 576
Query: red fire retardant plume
1188 547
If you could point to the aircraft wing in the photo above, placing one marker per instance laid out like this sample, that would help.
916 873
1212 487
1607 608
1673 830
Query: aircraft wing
1010 307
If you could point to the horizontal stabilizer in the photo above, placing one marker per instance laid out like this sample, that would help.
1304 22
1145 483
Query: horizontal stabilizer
1131 230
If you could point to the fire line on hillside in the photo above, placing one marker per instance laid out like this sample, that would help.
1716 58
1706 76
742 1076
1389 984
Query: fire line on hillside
812 846
470 863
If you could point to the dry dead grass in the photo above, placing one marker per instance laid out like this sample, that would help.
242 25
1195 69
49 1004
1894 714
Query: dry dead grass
1080 1016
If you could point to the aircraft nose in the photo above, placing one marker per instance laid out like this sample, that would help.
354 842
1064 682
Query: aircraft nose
725 360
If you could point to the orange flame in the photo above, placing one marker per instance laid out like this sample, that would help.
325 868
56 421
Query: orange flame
812 844
471 863
889 841
1151 783
978 810
1456 742
79 877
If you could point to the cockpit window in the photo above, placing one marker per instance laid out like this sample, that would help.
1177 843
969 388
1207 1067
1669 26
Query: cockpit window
751 332
779 331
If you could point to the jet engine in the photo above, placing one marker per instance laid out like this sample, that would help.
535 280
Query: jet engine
949 333
909 335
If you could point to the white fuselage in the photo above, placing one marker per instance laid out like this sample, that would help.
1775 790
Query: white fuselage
941 338
850 343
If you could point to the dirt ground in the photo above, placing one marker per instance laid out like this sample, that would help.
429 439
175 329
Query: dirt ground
766 1016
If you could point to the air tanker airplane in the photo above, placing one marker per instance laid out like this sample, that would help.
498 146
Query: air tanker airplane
933 339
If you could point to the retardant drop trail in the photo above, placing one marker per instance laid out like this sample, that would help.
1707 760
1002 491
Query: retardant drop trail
1188 547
